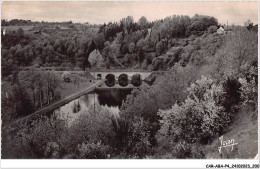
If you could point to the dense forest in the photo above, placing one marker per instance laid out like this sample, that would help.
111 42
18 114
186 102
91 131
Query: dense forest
124 44
211 77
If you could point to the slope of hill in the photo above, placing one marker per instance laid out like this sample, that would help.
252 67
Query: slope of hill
244 131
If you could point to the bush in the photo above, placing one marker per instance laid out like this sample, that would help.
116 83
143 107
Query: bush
21 99
199 118
133 137
93 151
184 150
52 150
232 95
66 76
38 139
57 94
212 29
91 127
248 88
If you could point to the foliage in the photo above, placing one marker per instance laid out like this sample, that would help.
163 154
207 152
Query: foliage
93 126
92 151
55 137
184 150
133 137
175 113
20 98
66 76
199 118
67 44
201 23
237 54
8 110
212 29
95 59
232 96
249 88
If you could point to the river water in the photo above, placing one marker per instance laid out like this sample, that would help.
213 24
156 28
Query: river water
111 99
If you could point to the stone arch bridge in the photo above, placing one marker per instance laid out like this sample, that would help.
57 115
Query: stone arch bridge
103 75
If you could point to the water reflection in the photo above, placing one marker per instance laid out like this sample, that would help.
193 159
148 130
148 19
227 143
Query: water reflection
110 99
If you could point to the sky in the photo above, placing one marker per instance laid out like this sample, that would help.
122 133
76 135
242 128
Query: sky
104 12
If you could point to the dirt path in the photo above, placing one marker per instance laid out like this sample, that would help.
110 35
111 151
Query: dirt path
54 105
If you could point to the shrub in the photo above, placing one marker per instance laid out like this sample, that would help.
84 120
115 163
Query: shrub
52 150
91 127
38 140
184 150
93 151
248 88
66 76
212 29
21 99
232 96
57 94
199 118
134 138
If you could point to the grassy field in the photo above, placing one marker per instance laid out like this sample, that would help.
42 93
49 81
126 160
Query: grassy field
68 88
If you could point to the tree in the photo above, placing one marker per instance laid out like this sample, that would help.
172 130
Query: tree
127 23
159 48
200 23
90 47
141 56
30 78
95 59
99 41
235 58
131 47
143 22
212 29
140 44
155 33
8 112
199 118
247 23
66 76
21 99
52 83
20 32
57 44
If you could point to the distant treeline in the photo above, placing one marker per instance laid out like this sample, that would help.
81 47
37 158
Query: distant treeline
119 44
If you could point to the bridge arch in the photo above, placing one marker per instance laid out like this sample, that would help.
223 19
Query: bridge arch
99 76
136 80
123 80
110 80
